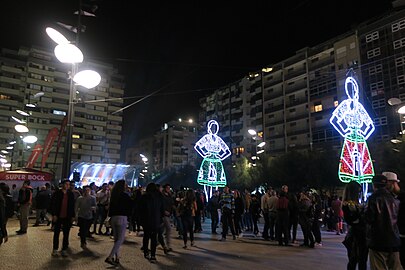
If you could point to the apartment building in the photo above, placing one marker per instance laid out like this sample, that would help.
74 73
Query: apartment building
174 145
292 102
33 75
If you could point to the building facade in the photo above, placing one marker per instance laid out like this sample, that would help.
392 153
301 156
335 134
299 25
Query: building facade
174 145
35 76
290 102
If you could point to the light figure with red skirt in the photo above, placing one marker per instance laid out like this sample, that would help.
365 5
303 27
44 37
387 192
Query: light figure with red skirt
352 121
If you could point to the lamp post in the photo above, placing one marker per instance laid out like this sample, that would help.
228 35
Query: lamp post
401 111
67 52
253 133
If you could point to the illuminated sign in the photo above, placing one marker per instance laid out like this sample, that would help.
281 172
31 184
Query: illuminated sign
353 123
213 150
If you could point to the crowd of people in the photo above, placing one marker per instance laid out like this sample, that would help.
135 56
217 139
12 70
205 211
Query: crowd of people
374 229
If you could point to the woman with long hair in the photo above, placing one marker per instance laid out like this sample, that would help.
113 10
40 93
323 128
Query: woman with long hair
151 216
119 210
187 208
355 240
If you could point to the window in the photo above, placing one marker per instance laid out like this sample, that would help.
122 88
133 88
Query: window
372 36
373 53
378 103
399 43
398 26
401 79
377 88
375 69
57 112
336 103
400 61
318 107
380 121
293 124
75 136
75 146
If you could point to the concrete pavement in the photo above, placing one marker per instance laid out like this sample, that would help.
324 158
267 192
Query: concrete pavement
33 251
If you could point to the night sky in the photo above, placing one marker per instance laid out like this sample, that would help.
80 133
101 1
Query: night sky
184 49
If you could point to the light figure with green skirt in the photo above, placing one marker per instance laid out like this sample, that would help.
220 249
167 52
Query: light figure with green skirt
213 149
352 121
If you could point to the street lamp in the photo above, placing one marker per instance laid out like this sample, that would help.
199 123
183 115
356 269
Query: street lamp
400 111
66 52
253 133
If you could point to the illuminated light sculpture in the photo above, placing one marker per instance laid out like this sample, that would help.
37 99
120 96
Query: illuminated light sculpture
352 121
213 149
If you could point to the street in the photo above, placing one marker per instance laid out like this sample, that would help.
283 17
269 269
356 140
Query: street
33 251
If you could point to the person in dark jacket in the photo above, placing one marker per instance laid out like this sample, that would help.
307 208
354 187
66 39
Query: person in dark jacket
212 207
355 240
383 237
3 231
239 209
305 211
119 211
43 201
282 219
401 223
63 214
255 210
24 202
9 205
187 208
151 216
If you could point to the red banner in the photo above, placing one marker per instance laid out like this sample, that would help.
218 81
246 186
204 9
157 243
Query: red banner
34 156
50 138
62 129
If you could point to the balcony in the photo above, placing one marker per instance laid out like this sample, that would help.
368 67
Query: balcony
296 87
274 108
295 102
297 116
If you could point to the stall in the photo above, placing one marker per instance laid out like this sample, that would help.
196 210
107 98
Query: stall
36 177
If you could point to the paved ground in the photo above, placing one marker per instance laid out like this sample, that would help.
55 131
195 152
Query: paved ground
33 251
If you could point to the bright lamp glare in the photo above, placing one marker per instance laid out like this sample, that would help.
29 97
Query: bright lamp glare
3 160
30 139
68 53
18 120
87 78
252 132
7 165
22 113
21 128
401 110
261 144
56 36
12 142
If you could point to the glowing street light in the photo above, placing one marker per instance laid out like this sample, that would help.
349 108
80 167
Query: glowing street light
30 139
252 132
66 52
21 128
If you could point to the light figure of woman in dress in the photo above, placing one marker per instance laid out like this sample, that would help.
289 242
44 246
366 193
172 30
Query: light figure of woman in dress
352 121
213 149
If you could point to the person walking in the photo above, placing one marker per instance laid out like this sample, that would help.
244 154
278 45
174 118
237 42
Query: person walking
24 203
63 214
168 204
102 198
272 205
85 206
119 211
239 209
187 208
383 238
151 216
355 239
282 219
43 201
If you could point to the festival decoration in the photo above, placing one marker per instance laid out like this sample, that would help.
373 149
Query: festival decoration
213 150
353 123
